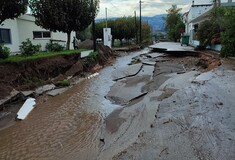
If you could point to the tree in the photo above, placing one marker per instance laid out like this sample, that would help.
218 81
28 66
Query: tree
10 9
146 32
84 35
228 39
64 16
174 24
203 33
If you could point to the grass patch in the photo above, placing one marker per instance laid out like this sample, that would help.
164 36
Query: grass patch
63 83
20 58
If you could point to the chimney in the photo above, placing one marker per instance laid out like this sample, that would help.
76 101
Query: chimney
193 3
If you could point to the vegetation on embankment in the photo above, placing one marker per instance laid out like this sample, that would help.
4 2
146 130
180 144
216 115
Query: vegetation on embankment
26 75
21 58
219 29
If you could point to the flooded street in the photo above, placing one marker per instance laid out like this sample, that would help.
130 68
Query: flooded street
159 107
64 127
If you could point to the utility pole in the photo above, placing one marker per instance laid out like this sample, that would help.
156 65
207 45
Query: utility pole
106 15
93 26
140 25
136 34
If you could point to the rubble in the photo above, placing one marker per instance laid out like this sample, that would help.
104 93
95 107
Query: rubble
27 107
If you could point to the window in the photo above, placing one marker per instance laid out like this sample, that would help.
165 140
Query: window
5 36
41 34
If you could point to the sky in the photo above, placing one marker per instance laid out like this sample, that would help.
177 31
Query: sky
120 8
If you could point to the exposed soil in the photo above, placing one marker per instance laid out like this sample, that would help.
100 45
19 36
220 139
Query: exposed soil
31 74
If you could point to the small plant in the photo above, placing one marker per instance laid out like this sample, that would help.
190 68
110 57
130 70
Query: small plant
4 52
28 49
64 82
55 47
92 56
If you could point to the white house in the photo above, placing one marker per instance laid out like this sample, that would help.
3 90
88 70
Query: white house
13 32
196 15
194 12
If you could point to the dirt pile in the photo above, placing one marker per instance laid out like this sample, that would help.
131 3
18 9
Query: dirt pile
87 44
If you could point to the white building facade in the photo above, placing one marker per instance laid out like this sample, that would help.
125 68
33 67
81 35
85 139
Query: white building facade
14 32
196 15
190 27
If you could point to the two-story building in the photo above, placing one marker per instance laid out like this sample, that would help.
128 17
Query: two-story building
194 12
14 32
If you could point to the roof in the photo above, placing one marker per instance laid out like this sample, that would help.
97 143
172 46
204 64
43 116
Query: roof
201 5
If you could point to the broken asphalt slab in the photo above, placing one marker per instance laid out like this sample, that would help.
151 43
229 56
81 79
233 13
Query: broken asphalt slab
13 96
124 91
204 77
125 72
200 119
56 92
45 88
155 55
173 48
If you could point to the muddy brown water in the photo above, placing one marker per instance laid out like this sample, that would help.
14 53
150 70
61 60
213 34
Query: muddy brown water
64 127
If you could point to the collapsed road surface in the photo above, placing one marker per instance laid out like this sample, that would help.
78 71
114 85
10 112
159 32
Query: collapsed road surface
163 107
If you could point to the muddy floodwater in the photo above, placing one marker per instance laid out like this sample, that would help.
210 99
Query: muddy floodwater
66 126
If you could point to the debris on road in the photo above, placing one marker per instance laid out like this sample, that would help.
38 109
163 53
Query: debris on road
27 107
44 88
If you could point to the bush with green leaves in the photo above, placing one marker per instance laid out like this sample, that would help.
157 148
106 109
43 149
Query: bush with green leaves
92 56
227 38
28 49
4 52
64 83
54 47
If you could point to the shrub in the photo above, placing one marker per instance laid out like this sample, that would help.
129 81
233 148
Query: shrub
4 52
28 49
92 56
64 83
227 38
55 47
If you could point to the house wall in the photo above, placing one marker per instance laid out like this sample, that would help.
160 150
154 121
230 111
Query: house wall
27 26
63 36
22 28
194 12
197 10
14 36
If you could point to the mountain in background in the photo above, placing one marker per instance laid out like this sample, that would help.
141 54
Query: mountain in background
157 22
